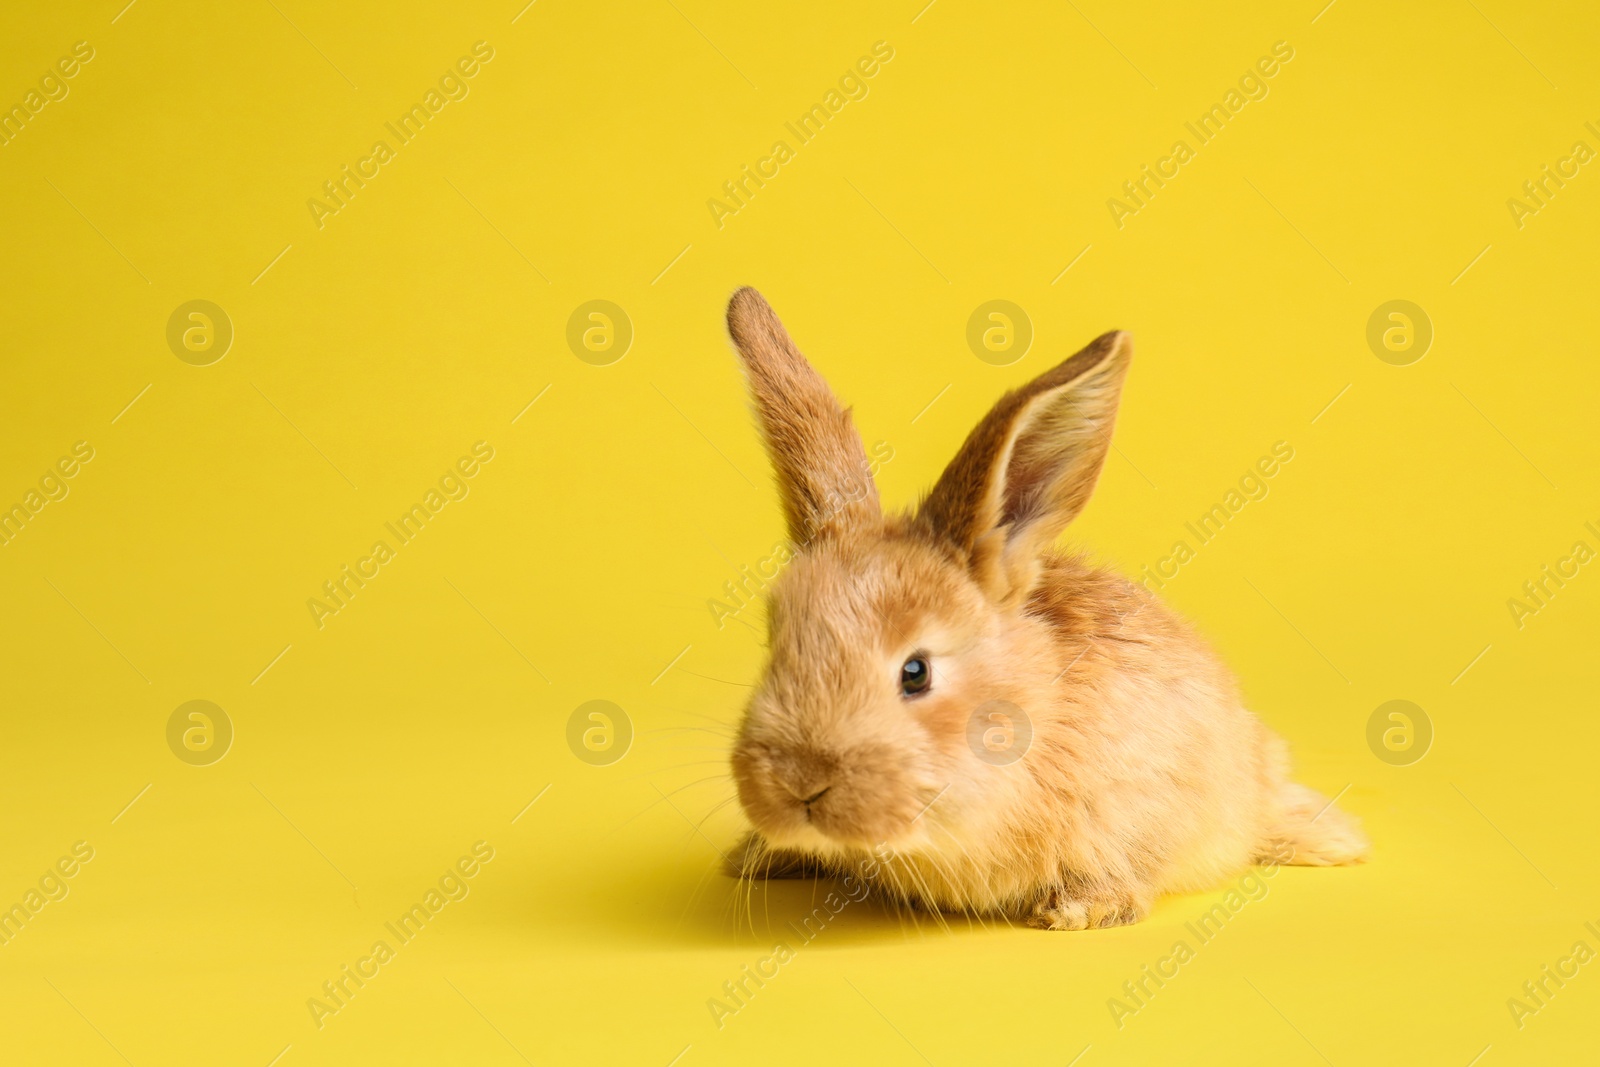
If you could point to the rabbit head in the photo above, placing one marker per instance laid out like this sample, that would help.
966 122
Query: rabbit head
889 634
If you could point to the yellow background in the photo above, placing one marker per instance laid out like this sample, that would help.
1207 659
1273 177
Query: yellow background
432 309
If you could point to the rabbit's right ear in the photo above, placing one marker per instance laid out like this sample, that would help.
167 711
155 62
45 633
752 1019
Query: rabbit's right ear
1029 468
822 471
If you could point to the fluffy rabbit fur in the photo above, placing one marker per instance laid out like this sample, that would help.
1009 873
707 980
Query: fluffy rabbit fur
1144 774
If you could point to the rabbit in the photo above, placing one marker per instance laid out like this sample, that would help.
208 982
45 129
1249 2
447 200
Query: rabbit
977 720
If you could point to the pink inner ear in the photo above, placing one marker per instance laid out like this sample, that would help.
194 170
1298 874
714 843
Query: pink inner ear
1030 466
1055 459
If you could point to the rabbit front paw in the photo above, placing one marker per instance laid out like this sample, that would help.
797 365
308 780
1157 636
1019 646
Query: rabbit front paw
1065 910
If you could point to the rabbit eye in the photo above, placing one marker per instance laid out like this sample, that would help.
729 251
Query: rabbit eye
916 675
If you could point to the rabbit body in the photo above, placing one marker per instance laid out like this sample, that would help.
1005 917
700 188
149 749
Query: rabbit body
972 720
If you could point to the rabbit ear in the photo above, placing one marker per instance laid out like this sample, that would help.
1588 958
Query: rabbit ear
1029 467
821 466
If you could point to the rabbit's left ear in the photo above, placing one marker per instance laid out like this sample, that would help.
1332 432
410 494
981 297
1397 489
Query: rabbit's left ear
1029 468
822 470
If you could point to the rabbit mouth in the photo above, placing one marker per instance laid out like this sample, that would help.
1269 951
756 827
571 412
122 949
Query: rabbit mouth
822 834
822 802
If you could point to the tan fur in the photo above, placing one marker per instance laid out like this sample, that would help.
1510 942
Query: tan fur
1145 774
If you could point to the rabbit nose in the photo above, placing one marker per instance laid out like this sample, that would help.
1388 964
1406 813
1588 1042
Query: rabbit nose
806 792
805 774
806 789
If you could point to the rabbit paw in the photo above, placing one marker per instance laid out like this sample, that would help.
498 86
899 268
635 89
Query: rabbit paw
753 858
1068 911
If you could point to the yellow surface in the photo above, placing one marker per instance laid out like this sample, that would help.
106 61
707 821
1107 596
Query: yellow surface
370 353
